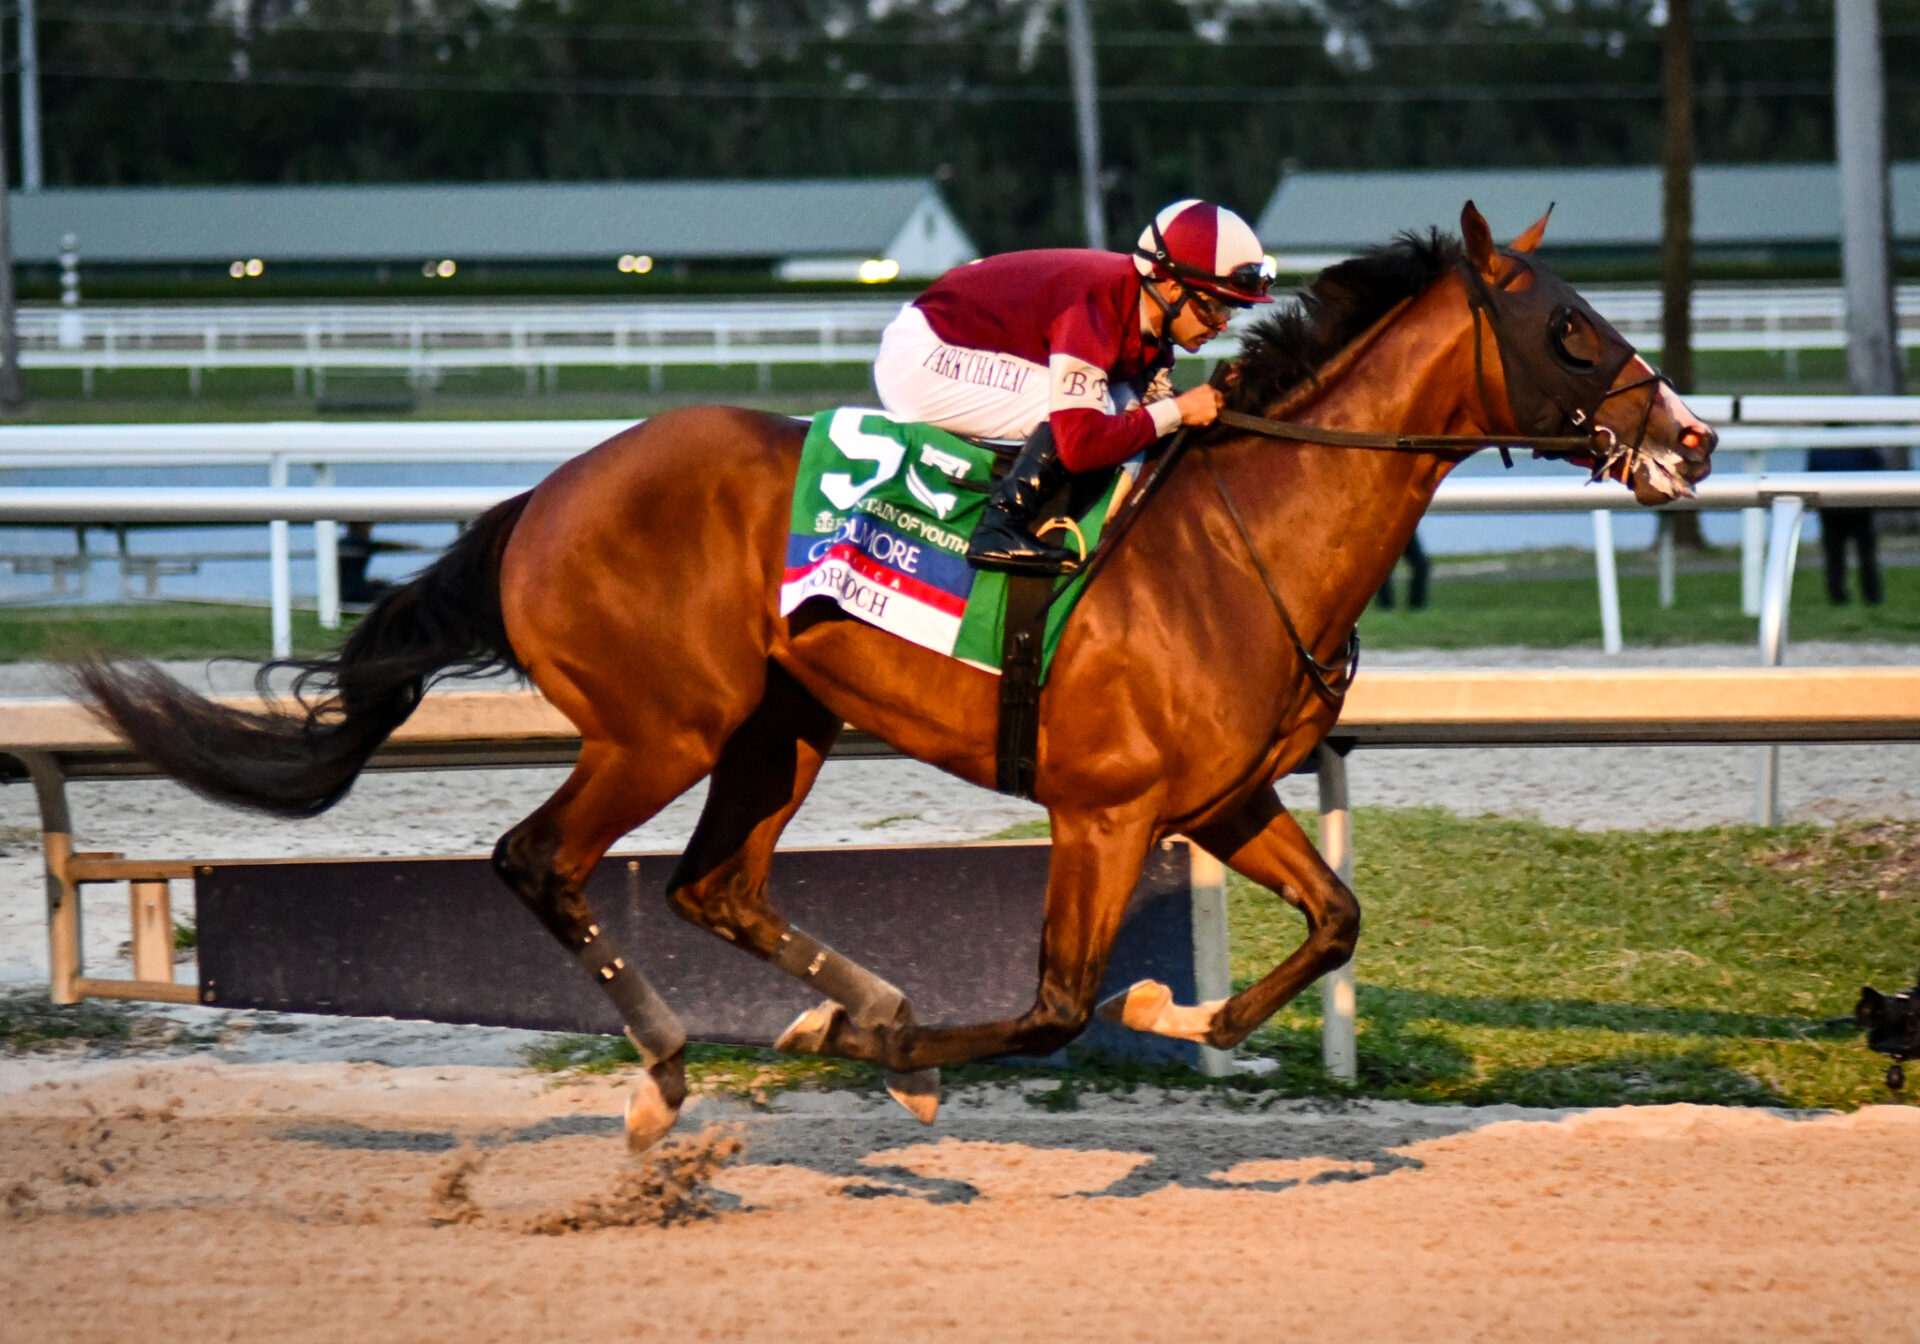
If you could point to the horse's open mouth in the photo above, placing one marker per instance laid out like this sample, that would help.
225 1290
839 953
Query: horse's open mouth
1660 475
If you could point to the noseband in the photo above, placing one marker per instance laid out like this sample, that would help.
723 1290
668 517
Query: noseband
1551 392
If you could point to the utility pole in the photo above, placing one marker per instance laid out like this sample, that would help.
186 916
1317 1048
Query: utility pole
1860 135
1676 229
12 397
1086 114
29 99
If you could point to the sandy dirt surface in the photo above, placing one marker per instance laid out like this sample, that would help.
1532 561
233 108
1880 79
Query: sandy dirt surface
319 1179
328 1202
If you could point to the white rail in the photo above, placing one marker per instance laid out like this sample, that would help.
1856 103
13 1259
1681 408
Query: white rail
1746 424
426 340
393 504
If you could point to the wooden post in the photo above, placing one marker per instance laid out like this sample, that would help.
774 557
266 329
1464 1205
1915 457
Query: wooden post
12 394
1676 233
63 895
1866 257
152 930
1086 114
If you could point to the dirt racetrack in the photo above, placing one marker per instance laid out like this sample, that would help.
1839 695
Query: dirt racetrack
331 1201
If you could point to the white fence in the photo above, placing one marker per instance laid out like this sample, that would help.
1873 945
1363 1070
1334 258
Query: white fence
1774 503
425 340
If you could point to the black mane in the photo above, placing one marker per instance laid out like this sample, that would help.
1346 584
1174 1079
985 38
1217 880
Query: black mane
1287 348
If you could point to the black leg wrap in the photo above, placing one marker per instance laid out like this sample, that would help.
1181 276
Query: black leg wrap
651 1025
871 1001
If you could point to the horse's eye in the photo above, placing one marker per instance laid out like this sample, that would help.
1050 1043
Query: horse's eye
1564 335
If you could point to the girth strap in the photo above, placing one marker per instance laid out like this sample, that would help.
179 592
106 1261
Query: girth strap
1018 748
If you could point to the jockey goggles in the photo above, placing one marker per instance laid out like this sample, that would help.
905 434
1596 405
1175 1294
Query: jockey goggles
1242 287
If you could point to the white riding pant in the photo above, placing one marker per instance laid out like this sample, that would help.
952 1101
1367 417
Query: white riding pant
979 393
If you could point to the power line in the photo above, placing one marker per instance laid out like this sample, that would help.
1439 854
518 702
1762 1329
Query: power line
385 81
1117 38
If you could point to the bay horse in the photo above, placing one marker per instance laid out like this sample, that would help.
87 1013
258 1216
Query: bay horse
637 587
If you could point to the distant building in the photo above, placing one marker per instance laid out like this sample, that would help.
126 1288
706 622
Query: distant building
1759 214
816 229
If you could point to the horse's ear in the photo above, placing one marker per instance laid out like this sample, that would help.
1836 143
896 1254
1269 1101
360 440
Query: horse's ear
1478 238
1529 240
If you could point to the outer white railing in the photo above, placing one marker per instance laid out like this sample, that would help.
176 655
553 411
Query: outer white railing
425 340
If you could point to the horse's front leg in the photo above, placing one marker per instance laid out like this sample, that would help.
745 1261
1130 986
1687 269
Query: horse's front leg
1095 866
1262 842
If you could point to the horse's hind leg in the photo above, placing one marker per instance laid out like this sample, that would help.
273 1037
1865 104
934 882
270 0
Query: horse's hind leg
547 859
1096 864
762 777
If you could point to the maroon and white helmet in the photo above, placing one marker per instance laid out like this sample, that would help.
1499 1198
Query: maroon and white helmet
1209 248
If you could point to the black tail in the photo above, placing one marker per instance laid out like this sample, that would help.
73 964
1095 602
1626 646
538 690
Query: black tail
302 760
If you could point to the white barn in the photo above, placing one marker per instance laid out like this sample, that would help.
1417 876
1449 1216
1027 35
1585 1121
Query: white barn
802 228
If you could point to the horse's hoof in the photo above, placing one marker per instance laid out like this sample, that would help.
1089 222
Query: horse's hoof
918 1091
649 1114
807 1035
1139 1007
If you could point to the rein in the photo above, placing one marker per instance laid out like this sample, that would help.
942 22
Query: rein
1562 445
1322 675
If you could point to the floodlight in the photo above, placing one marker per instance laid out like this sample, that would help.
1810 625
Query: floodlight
238 270
642 264
255 266
445 269
878 272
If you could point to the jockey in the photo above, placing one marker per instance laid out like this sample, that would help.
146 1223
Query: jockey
1069 350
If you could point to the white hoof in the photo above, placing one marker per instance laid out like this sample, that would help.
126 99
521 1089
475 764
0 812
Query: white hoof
649 1117
1148 1006
918 1091
807 1034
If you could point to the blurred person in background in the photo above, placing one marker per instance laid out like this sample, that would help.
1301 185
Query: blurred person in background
355 551
1070 351
1419 570
1838 526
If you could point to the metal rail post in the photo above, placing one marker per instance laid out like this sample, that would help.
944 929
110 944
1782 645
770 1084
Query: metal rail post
280 564
1212 969
1783 548
1663 541
1753 540
1339 1049
326 557
1603 563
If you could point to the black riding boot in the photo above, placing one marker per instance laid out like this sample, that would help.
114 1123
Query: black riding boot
1002 540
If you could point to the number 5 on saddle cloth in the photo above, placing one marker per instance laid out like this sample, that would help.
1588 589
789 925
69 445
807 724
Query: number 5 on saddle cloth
882 511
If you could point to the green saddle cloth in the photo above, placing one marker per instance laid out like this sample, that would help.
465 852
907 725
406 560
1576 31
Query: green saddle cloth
882 511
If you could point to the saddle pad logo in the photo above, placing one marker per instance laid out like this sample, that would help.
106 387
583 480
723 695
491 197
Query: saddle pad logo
882 512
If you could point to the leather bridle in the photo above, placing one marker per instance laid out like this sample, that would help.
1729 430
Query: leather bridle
1484 301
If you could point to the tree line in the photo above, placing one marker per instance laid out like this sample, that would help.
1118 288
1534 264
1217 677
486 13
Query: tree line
1206 97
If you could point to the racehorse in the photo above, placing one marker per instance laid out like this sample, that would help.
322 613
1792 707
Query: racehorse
637 588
